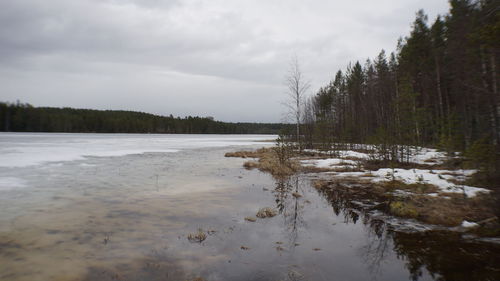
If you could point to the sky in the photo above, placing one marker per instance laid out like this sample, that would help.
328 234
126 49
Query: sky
221 58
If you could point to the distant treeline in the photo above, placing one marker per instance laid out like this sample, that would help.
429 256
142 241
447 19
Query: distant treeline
22 117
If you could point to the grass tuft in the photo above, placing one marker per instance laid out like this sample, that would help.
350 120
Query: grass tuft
402 209
197 237
266 213
251 219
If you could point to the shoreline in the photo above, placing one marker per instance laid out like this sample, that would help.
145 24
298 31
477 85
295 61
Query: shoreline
431 195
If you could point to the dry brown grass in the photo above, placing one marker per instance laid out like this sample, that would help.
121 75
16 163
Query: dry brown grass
249 154
266 213
449 211
250 219
251 164
198 236
313 169
274 167
268 162
453 211
403 209
321 184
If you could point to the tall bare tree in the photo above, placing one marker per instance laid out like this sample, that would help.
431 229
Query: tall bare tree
297 87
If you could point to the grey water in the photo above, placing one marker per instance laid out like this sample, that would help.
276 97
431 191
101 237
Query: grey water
120 207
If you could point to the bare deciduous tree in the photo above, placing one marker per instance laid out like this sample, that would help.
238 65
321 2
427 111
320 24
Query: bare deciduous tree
297 87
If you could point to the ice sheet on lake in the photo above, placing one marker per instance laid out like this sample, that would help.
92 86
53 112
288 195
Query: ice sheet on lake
25 149
11 183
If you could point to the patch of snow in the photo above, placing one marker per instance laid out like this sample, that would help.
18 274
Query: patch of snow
419 155
466 173
355 154
362 204
427 177
423 155
413 176
398 192
327 163
469 224
313 151
341 153
350 174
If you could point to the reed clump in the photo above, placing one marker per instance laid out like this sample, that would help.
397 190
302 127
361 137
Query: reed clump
198 236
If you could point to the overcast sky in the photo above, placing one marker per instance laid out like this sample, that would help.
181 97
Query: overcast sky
220 58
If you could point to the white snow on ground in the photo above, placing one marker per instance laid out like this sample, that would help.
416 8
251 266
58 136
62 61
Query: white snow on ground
341 153
423 155
438 178
327 163
420 155
469 224
350 153
421 176
427 177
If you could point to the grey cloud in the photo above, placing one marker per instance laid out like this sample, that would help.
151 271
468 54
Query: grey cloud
211 44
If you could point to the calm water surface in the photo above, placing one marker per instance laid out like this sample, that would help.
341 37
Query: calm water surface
120 207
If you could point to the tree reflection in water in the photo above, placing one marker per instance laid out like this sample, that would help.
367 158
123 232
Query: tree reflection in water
446 255
289 206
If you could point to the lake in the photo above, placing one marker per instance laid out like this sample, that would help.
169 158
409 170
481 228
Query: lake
121 207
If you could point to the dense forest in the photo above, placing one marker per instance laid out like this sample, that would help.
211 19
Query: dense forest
439 89
19 117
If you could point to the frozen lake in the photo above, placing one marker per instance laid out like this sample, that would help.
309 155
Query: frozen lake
120 207
25 149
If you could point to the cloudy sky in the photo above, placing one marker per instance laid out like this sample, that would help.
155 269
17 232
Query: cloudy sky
221 58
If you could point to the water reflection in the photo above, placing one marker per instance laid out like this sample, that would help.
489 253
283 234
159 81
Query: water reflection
445 255
128 219
288 192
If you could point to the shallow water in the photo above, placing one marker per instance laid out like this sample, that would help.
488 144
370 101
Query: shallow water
127 217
